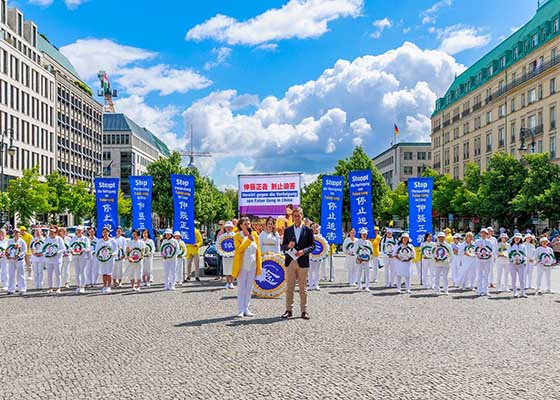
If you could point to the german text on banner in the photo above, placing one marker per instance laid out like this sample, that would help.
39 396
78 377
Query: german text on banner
360 201
141 196
262 196
106 202
182 187
420 208
332 193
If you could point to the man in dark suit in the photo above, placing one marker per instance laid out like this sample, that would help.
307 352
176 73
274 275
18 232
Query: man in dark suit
298 238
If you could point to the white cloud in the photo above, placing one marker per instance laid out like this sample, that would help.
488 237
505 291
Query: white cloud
89 56
242 169
222 55
267 47
406 30
429 16
71 4
295 19
314 124
458 38
42 3
160 78
381 25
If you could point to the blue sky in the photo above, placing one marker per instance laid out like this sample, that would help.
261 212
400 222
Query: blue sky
277 85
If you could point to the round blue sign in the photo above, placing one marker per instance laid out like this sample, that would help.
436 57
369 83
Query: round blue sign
227 245
273 275
318 248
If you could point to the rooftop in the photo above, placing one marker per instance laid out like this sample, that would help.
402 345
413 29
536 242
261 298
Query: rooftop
118 122
403 144
539 30
45 46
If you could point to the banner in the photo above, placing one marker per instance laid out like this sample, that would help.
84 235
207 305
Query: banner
141 196
182 188
420 208
262 196
360 202
332 193
106 202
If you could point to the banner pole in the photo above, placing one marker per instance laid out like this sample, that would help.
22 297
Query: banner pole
331 269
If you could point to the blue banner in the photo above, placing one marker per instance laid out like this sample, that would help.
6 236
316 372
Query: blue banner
141 196
332 193
106 202
182 188
420 208
360 201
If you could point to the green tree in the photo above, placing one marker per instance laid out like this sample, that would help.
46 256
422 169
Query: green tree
311 199
125 208
83 202
399 202
28 195
233 198
550 204
445 188
60 197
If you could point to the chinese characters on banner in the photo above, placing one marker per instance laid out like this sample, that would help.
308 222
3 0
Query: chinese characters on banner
332 193
182 188
268 195
420 206
360 201
141 196
106 202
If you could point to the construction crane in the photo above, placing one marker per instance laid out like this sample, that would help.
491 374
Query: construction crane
106 92
192 154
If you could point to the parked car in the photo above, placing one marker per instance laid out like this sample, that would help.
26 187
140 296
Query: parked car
211 260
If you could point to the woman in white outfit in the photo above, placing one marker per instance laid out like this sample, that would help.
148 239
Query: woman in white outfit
247 264
169 249
53 250
15 254
467 253
92 274
80 249
443 256
349 247
66 257
106 250
269 239
118 267
545 260
456 260
149 248
227 259
485 254
388 243
364 257
135 249
425 266
528 241
502 263
517 256
37 258
403 256
3 261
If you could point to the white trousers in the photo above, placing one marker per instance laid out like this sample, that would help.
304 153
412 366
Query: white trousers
80 268
179 269
135 270
349 265
517 272
4 273
16 271
54 276
484 267
468 272
375 267
118 270
529 274
540 270
427 267
245 281
406 281
314 274
147 266
169 273
389 271
455 270
502 269
38 268
357 273
491 272
364 270
92 271
441 272
65 270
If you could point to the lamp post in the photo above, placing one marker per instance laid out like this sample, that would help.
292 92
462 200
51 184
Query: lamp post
11 151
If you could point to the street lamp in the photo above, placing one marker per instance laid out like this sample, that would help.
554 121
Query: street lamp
523 132
11 151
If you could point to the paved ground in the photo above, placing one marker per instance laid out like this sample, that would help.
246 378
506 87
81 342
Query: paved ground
186 344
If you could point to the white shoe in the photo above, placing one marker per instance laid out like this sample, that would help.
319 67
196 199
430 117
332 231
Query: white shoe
108 290
408 291
515 295
539 291
82 290
524 295
398 291
58 291
78 291
103 290
226 286
172 288
367 289
240 315
248 314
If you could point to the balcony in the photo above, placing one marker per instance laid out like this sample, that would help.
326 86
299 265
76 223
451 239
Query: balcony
436 128
489 98
437 165
476 106
465 113
446 123
455 118
552 125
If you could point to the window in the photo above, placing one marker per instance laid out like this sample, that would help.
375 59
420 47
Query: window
534 40
420 170
421 155
532 96
539 146
490 70
553 117
489 117
489 142
408 170
512 107
477 146
501 137
553 86
555 25
515 53
512 133
554 56
553 147
532 122
540 92
502 62
522 100
408 155
466 153
456 153
502 111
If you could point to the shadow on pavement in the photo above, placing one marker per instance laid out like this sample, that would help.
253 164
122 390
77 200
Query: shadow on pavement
424 295
255 321
202 322
384 294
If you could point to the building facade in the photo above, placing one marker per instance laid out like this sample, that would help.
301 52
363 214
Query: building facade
27 99
128 149
506 102
403 161
79 129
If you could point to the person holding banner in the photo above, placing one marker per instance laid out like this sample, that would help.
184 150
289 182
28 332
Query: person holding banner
315 265
92 274
388 244
456 260
297 244
180 264
192 255
106 250
247 264
403 256
53 249
15 254
364 255
80 248
169 248
3 262
118 267
37 259
149 247
349 247
135 249
269 239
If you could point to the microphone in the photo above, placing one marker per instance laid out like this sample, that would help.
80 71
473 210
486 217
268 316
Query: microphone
250 231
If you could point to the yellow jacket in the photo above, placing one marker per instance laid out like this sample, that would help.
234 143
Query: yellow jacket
241 243
27 238
192 249
375 243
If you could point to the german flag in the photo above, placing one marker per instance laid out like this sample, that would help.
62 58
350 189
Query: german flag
396 129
